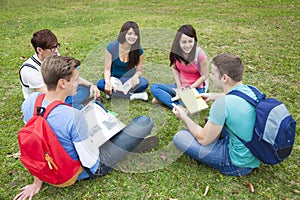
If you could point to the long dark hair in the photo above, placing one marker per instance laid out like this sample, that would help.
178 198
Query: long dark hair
176 51
134 53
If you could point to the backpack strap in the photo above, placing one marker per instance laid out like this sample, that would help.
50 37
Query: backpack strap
198 49
242 95
258 94
36 61
196 62
42 111
26 65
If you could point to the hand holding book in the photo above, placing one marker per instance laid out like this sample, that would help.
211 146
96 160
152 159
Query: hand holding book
119 86
192 100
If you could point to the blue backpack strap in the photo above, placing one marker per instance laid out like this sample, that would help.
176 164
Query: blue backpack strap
243 96
259 95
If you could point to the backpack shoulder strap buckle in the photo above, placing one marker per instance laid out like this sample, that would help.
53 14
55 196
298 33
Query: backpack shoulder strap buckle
40 111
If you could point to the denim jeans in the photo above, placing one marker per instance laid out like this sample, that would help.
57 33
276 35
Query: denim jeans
165 92
124 142
215 154
82 93
141 87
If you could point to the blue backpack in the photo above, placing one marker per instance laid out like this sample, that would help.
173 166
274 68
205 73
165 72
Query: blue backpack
274 129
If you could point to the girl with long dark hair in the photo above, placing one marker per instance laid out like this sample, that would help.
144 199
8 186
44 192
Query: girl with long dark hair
189 65
124 65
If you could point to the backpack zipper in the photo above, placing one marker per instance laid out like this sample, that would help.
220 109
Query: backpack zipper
50 162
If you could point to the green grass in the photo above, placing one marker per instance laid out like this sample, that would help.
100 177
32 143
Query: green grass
265 34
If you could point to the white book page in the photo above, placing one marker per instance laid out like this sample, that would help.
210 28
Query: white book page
101 125
117 84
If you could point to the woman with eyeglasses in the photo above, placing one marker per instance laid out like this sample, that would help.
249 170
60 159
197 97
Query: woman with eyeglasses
123 66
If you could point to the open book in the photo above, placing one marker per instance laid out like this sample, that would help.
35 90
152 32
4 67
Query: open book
101 124
192 100
119 86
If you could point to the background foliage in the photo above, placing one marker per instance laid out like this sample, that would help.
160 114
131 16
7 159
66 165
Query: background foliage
265 34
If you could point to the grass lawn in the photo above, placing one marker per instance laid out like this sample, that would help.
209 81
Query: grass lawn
265 34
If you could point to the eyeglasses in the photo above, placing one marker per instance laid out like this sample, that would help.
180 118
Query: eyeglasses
52 49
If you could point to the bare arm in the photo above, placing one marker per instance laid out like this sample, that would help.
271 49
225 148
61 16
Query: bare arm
176 76
107 72
204 74
211 96
93 88
205 135
30 190
139 70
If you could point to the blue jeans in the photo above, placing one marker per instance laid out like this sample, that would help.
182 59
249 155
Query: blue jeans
141 87
215 154
124 142
165 92
82 93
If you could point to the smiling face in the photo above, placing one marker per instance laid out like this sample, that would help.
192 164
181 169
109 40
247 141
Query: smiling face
186 43
131 36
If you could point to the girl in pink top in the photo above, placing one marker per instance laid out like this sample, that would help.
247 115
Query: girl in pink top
189 66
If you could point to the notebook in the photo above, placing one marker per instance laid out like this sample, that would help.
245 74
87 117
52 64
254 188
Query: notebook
192 100
102 125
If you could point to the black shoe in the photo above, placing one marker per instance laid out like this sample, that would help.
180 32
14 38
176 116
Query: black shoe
148 143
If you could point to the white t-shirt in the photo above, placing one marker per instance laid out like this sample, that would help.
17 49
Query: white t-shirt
31 76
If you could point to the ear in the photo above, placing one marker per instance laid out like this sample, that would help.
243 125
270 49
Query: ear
225 78
61 83
39 50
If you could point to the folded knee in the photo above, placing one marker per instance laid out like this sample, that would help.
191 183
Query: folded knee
143 121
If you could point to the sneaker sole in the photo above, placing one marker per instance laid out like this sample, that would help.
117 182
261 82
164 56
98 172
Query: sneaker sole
147 144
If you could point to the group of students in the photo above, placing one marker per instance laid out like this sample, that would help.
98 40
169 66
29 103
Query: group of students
215 144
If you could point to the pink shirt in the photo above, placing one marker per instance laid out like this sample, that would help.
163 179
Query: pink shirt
190 73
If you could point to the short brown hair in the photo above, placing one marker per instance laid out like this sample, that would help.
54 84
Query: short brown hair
44 39
230 65
58 67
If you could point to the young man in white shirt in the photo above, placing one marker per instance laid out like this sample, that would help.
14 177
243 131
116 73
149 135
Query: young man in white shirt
45 44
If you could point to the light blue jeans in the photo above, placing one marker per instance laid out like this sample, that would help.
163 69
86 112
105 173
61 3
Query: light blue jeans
215 154
82 93
114 150
165 92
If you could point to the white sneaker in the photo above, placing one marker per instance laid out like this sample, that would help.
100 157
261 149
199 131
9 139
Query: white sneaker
141 95
107 96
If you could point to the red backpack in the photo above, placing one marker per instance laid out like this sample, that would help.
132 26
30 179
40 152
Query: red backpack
41 152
